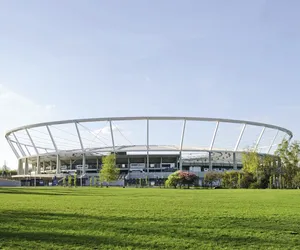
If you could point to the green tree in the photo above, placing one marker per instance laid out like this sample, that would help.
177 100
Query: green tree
75 179
246 179
70 181
212 177
173 180
64 181
250 161
13 172
260 167
296 180
231 179
109 172
289 161
267 168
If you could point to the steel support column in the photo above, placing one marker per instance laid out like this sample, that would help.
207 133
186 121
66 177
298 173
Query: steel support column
38 165
52 139
83 168
79 137
27 150
181 144
20 167
210 161
214 136
259 138
234 161
58 163
33 145
273 142
83 152
19 145
147 145
112 136
26 166
240 138
12 147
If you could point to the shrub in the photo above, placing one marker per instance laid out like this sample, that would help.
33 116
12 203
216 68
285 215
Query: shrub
212 177
246 180
231 179
180 178
254 185
173 180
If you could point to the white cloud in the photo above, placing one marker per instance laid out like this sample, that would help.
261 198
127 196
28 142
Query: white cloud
105 130
121 135
17 110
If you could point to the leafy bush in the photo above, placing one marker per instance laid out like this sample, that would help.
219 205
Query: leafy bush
231 179
296 180
212 177
254 185
173 179
246 180
180 178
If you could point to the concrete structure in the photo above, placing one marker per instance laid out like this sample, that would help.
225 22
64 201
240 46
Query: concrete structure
59 148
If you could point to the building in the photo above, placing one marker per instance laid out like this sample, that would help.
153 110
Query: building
151 147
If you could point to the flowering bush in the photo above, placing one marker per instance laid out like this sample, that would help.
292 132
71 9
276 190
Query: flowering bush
180 178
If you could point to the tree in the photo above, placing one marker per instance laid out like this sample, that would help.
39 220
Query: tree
231 179
246 179
258 168
250 161
296 180
266 170
289 161
212 177
64 182
109 172
180 178
187 178
75 179
5 169
173 179
70 180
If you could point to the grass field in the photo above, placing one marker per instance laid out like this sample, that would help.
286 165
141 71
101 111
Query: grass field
116 218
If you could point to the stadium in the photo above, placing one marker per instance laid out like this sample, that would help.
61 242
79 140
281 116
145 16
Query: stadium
145 147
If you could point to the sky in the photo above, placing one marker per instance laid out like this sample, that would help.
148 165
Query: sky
79 59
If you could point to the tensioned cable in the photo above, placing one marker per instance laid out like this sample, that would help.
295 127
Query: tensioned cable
71 133
56 137
123 135
46 144
45 139
100 130
93 134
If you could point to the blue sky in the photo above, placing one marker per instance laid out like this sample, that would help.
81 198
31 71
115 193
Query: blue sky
78 59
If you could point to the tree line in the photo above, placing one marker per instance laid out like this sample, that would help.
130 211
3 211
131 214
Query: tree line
280 170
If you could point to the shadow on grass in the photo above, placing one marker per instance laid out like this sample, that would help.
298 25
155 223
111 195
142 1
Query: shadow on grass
91 231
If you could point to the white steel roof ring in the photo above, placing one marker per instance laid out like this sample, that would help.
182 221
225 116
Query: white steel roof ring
152 118
140 148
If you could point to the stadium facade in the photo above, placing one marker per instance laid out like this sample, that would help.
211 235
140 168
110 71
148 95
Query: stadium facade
145 147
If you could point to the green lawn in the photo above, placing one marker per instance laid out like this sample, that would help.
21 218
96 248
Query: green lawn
117 218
